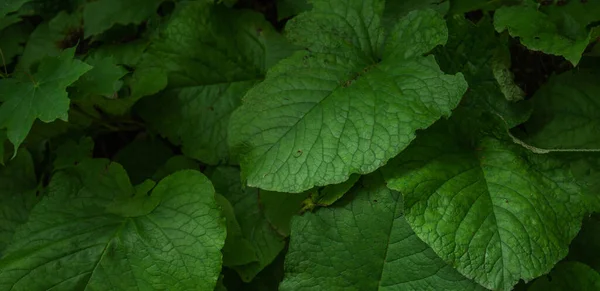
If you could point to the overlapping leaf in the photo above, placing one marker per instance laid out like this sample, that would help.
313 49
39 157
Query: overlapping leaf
101 15
491 208
558 30
567 112
49 39
94 231
263 218
346 104
364 243
484 59
207 74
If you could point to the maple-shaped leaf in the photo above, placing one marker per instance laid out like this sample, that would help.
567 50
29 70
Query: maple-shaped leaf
41 96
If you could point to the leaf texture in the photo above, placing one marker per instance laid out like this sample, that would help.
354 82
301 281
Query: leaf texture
364 243
346 104
489 207
95 231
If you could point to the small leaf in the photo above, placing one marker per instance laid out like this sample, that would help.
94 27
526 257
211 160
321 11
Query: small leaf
43 97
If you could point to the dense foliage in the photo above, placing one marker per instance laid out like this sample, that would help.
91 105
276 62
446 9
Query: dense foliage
299 145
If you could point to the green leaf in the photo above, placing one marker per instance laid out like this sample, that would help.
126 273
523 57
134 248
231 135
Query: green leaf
559 31
568 276
263 218
76 240
143 157
9 6
100 15
12 39
364 243
395 10
331 193
567 112
3 139
484 59
42 97
206 72
491 208
237 250
174 164
584 248
348 103
48 39
463 6
289 8
104 79
128 54
18 184
72 153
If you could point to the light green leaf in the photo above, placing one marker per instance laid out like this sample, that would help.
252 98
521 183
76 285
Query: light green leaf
75 240
568 276
567 112
558 31
207 74
73 152
100 15
42 97
263 217
18 185
489 207
484 59
348 103
364 243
